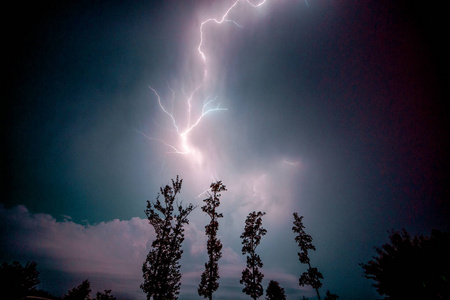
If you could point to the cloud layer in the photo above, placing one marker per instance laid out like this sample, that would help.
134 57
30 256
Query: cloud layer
110 253
106 252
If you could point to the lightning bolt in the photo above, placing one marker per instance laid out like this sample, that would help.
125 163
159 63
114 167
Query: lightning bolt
183 133
220 21
210 104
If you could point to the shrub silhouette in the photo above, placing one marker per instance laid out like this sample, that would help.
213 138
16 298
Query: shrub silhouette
80 292
19 281
412 268
274 291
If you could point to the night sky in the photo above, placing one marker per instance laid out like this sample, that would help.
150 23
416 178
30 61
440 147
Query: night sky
333 109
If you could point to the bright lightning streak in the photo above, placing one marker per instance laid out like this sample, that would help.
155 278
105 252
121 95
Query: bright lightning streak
164 110
220 21
209 105
223 19
184 133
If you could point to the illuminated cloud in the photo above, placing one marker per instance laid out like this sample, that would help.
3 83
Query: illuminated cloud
192 119
110 253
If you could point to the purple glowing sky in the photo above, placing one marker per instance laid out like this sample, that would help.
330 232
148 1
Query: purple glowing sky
332 110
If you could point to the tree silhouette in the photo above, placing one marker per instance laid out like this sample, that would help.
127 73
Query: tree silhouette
412 268
161 269
274 291
251 237
312 276
210 277
80 292
105 296
330 296
18 281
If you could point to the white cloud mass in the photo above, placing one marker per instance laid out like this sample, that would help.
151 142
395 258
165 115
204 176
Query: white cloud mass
111 253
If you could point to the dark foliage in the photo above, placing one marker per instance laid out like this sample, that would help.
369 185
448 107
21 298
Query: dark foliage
311 277
105 296
251 237
80 292
161 270
18 281
330 296
274 291
412 268
303 239
210 277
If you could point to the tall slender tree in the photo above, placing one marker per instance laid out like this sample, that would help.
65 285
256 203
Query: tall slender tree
312 276
210 277
161 269
251 237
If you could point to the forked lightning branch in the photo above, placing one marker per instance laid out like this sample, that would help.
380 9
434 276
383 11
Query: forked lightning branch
193 117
